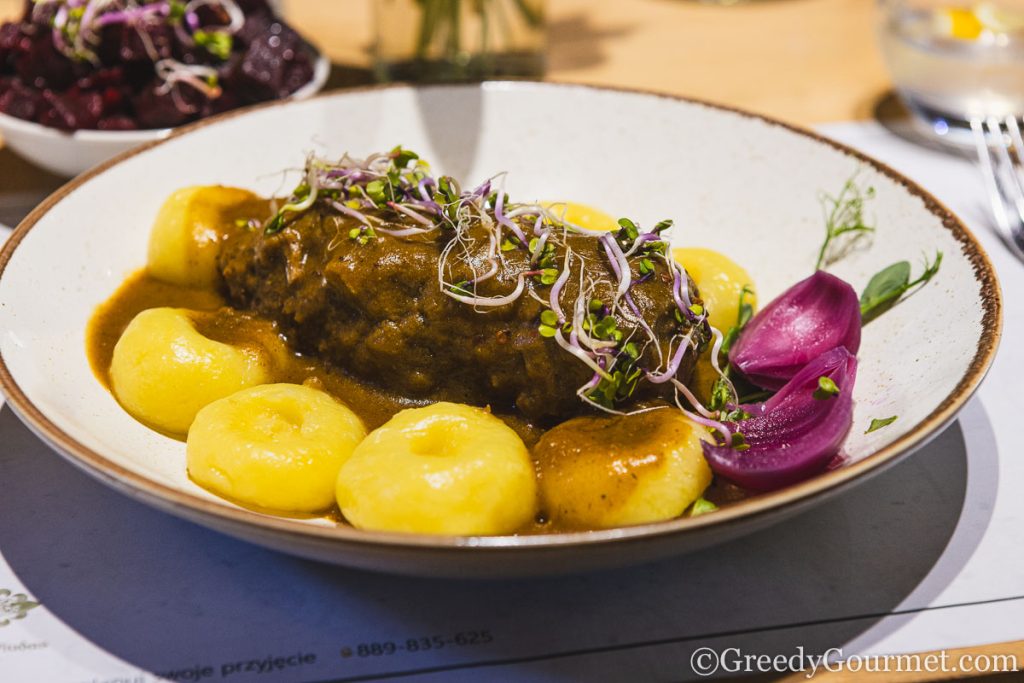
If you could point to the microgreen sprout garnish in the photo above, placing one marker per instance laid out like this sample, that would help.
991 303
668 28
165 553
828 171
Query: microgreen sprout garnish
547 276
362 234
461 288
891 283
744 313
394 182
844 215
736 415
723 392
542 252
394 195
878 423
628 232
702 506
548 323
738 442
217 43
721 395
78 25
826 389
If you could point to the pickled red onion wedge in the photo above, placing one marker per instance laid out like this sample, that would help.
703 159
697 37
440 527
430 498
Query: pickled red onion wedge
813 316
794 434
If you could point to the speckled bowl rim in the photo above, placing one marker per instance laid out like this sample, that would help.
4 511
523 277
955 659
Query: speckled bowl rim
798 495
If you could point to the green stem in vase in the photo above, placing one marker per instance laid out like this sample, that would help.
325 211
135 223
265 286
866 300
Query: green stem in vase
484 12
530 14
454 30
428 25
439 39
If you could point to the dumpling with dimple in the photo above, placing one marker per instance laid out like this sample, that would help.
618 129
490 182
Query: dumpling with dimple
443 469
598 472
163 370
185 239
276 446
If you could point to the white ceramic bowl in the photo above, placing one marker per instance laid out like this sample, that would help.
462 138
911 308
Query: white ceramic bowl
69 153
732 181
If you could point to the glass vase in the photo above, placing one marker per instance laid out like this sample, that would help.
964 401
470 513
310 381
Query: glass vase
459 40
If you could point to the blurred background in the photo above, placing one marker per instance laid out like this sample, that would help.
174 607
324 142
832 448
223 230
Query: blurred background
805 61
943 73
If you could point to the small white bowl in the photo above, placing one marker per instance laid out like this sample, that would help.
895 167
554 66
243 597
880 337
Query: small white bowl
69 153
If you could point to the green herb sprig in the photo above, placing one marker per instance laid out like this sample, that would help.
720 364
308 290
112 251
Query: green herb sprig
878 423
745 312
702 506
891 283
844 215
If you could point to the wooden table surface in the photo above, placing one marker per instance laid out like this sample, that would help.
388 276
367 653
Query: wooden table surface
803 61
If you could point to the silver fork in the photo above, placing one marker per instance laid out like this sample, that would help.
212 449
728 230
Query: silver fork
1001 157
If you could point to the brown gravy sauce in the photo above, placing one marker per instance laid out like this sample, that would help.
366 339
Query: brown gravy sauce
214 319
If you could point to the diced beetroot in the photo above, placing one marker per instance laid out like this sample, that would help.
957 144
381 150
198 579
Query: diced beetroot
10 43
17 100
113 99
134 48
91 105
226 102
250 7
120 122
211 15
266 69
299 73
39 83
156 109
43 66
104 77
256 24
109 48
71 110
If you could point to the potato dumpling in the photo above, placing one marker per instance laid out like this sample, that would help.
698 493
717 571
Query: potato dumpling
583 215
184 241
443 469
163 370
720 281
608 471
277 447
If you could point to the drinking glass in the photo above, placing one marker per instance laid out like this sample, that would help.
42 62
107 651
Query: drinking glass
952 61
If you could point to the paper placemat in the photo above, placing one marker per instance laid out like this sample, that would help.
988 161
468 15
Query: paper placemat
95 587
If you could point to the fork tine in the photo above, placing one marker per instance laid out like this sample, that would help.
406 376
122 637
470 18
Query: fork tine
1016 141
1006 173
1017 159
1003 183
988 175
